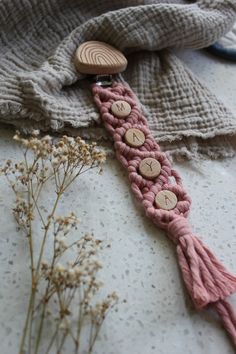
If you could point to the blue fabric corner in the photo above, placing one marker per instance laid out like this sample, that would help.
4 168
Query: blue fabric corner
223 52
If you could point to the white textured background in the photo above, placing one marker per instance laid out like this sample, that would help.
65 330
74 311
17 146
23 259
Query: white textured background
141 264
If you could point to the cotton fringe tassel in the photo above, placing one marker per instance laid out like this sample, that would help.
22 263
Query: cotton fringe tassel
207 280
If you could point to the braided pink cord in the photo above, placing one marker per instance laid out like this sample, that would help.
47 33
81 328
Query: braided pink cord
206 279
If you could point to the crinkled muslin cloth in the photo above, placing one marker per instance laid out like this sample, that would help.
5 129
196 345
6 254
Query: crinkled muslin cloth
40 88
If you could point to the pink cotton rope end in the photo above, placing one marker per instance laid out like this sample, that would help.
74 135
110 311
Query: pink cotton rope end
206 279
228 317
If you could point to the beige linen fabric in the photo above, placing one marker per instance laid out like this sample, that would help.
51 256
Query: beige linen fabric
40 88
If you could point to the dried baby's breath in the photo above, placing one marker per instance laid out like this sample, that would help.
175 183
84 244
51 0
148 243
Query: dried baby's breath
58 286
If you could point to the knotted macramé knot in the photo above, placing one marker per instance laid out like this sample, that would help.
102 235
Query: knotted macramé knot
207 281
178 228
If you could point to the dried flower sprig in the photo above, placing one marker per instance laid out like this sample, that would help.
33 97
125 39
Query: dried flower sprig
58 286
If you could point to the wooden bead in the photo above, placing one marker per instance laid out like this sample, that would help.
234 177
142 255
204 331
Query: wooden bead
150 168
99 58
134 137
166 200
121 109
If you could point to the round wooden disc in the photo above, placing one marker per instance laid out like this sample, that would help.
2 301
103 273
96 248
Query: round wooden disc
121 109
150 168
99 58
134 137
166 200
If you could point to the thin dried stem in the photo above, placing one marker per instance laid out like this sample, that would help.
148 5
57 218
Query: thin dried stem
62 287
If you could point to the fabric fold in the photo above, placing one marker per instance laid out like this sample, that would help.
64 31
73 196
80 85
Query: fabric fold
40 88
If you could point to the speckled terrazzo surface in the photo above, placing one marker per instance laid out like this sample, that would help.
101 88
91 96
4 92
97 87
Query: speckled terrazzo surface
141 263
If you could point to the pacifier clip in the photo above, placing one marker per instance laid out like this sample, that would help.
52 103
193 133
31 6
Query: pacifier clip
166 203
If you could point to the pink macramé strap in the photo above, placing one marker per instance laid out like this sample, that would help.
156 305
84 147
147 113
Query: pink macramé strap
206 279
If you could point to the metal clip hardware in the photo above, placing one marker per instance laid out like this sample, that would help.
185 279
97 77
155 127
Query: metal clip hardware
103 80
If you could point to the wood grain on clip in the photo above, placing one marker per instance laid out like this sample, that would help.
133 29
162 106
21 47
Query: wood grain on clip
99 58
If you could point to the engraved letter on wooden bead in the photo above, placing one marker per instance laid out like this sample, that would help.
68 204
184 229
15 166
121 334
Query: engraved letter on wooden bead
121 109
149 168
166 200
134 137
99 58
